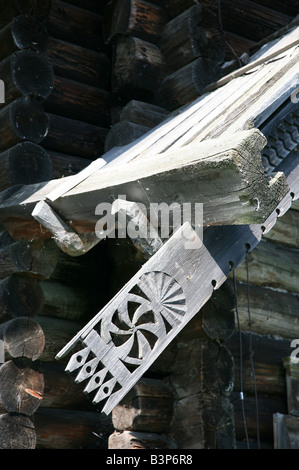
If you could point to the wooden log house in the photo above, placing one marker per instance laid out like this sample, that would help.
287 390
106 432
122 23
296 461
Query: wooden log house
108 98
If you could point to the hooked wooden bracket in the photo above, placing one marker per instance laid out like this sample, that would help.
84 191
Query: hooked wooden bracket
65 237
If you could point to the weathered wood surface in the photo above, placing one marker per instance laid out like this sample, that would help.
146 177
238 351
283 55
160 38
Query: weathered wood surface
206 400
139 440
66 165
23 119
187 83
147 408
23 337
20 296
16 432
37 258
191 35
272 311
60 391
76 25
289 7
57 333
292 382
133 17
176 7
197 167
286 230
123 133
79 101
21 387
202 163
98 6
285 431
68 429
23 32
139 112
10 10
238 43
26 72
268 355
267 408
137 67
78 138
24 163
272 265
65 237
79 63
265 20
69 302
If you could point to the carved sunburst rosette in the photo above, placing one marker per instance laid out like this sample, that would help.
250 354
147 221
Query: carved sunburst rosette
128 332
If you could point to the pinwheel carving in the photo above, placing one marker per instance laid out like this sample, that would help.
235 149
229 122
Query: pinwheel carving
127 333
140 322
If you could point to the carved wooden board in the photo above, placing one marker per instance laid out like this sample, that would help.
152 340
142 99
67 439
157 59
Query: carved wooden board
121 342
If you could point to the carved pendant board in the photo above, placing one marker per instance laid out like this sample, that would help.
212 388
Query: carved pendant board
121 342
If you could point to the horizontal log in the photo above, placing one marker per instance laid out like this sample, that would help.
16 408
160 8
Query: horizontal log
236 45
139 112
24 163
69 302
23 337
66 165
289 7
133 17
286 230
267 407
79 101
196 168
186 84
39 9
123 133
271 265
295 205
73 271
67 429
24 119
137 68
5 239
78 138
265 20
21 387
20 296
271 311
194 33
175 7
98 6
147 407
57 333
76 25
23 32
79 63
16 432
268 354
26 72
138 440
60 391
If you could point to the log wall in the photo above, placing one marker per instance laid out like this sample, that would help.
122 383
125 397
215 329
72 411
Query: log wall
70 97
